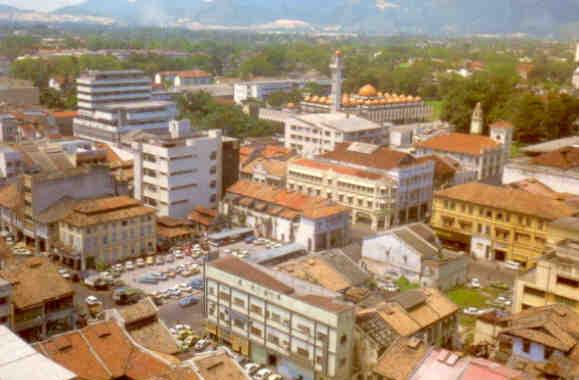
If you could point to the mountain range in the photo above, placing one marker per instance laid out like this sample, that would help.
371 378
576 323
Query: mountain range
536 17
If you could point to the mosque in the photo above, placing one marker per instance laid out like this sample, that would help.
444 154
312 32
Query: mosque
368 102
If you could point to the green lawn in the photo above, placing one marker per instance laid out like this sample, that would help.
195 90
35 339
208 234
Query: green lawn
516 149
404 284
436 108
465 297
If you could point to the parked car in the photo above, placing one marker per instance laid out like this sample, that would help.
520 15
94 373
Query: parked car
126 296
159 260
119 268
389 287
169 258
129 265
202 344
196 283
141 262
275 376
179 254
92 301
475 311
64 273
251 368
188 301
262 374
150 260
249 239
474 283
158 276
146 279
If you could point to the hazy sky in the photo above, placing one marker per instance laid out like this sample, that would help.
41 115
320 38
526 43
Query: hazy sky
39 5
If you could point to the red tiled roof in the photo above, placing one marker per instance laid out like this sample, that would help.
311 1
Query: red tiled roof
340 169
381 158
310 207
502 124
474 145
508 199
443 166
64 114
564 158
193 74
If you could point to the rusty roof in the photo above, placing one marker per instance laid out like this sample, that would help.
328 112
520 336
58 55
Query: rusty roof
35 281
272 167
219 366
106 210
379 158
564 158
401 358
309 207
11 197
474 145
103 351
508 199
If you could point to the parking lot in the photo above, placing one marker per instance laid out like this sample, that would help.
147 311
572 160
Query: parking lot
168 273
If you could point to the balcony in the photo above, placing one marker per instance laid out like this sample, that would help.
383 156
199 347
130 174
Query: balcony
29 323
59 314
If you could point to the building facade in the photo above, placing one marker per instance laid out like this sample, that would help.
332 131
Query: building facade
108 230
279 321
383 187
316 223
112 103
414 252
6 313
485 156
177 171
319 133
259 90
496 223
554 280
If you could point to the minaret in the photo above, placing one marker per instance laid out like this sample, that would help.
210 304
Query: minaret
476 122
336 67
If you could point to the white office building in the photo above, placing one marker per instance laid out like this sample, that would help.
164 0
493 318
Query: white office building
112 103
300 329
179 170
259 90
318 133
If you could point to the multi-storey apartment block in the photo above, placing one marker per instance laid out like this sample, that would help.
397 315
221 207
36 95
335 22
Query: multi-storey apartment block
319 133
107 230
112 103
496 223
177 171
275 319
554 280
383 187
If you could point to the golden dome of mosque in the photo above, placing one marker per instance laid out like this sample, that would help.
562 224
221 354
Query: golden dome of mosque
368 91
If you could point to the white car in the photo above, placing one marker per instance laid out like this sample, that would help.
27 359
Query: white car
471 310
201 344
474 283
262 374
389 287
119 268
179 254
251 368
275 376
92 301
129 265
64 273
140 262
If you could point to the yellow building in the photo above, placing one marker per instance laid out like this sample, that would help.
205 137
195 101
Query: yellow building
496 223
554 280
109 229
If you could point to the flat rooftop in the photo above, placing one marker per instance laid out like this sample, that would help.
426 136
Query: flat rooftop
339 121
136 105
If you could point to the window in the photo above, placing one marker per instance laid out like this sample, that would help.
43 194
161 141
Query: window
273 339
256 309
323 337
302 352
213 156
275 317
526 346
343 339
567 282
224 296
238 302
534 292
255 331
304 329
239 323
343 362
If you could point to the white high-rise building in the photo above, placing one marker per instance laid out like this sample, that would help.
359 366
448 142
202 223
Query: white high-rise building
177 171
112 103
